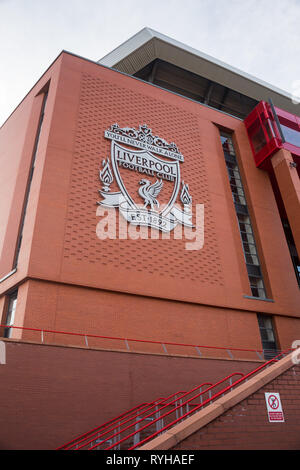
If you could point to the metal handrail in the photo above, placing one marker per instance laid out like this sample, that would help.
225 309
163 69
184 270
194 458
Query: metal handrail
149 407
162 416
107 423
118 419
155 403
134 340
145 417
245 377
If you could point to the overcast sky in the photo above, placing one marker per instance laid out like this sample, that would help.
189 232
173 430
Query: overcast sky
260 37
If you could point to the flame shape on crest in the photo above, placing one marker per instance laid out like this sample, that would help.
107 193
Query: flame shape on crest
105 174
185 196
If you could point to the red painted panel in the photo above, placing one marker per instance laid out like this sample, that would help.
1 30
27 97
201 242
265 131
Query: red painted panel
264 133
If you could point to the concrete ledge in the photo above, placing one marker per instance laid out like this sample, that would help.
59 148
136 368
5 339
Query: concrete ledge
128 351
181 431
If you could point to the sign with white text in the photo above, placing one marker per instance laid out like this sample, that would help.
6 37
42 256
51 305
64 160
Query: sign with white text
274 407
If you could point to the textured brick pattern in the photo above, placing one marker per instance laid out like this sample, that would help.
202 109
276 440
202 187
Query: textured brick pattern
246 425
52 394
103 104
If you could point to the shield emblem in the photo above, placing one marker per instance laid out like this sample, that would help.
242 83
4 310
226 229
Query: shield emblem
145 180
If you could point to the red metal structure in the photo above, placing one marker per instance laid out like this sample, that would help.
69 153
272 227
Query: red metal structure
146 421
270 129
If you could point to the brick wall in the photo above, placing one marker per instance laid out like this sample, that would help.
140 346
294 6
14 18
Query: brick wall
51 394
246 425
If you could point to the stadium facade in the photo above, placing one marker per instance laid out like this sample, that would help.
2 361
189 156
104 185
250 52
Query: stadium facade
151 199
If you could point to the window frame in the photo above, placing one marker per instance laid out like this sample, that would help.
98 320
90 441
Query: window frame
10 313
243 217
269 352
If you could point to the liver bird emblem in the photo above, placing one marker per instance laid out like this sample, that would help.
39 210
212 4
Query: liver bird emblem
149 192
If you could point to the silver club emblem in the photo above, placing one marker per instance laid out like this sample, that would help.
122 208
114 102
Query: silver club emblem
148 184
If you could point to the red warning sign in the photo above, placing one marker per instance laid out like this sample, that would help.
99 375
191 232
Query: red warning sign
274 407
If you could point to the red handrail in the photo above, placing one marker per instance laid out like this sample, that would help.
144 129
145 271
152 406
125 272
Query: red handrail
168 343
107 423
147 416
245 377
118 419
155 403
166 414
148 406
188 413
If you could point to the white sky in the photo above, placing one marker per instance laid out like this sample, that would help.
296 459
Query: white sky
260 37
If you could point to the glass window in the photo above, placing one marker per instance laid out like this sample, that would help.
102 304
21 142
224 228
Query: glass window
247 236
258 140
267 333
291 136
260 132
11 310
257 287
292 248
29 182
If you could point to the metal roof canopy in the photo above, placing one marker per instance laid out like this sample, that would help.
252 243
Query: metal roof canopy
148 45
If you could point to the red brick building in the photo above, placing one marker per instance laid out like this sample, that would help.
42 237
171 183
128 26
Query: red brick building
238 290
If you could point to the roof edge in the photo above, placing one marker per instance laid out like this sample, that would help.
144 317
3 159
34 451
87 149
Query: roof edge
146 34
127 47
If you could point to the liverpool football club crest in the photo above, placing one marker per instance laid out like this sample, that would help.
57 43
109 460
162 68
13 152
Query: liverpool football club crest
146 169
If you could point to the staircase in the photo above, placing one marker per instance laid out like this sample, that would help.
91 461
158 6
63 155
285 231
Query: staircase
146 421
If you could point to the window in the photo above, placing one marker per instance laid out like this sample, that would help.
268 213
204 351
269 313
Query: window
265 323
20 236
292 136
257 137
243 218
11 310
292 248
